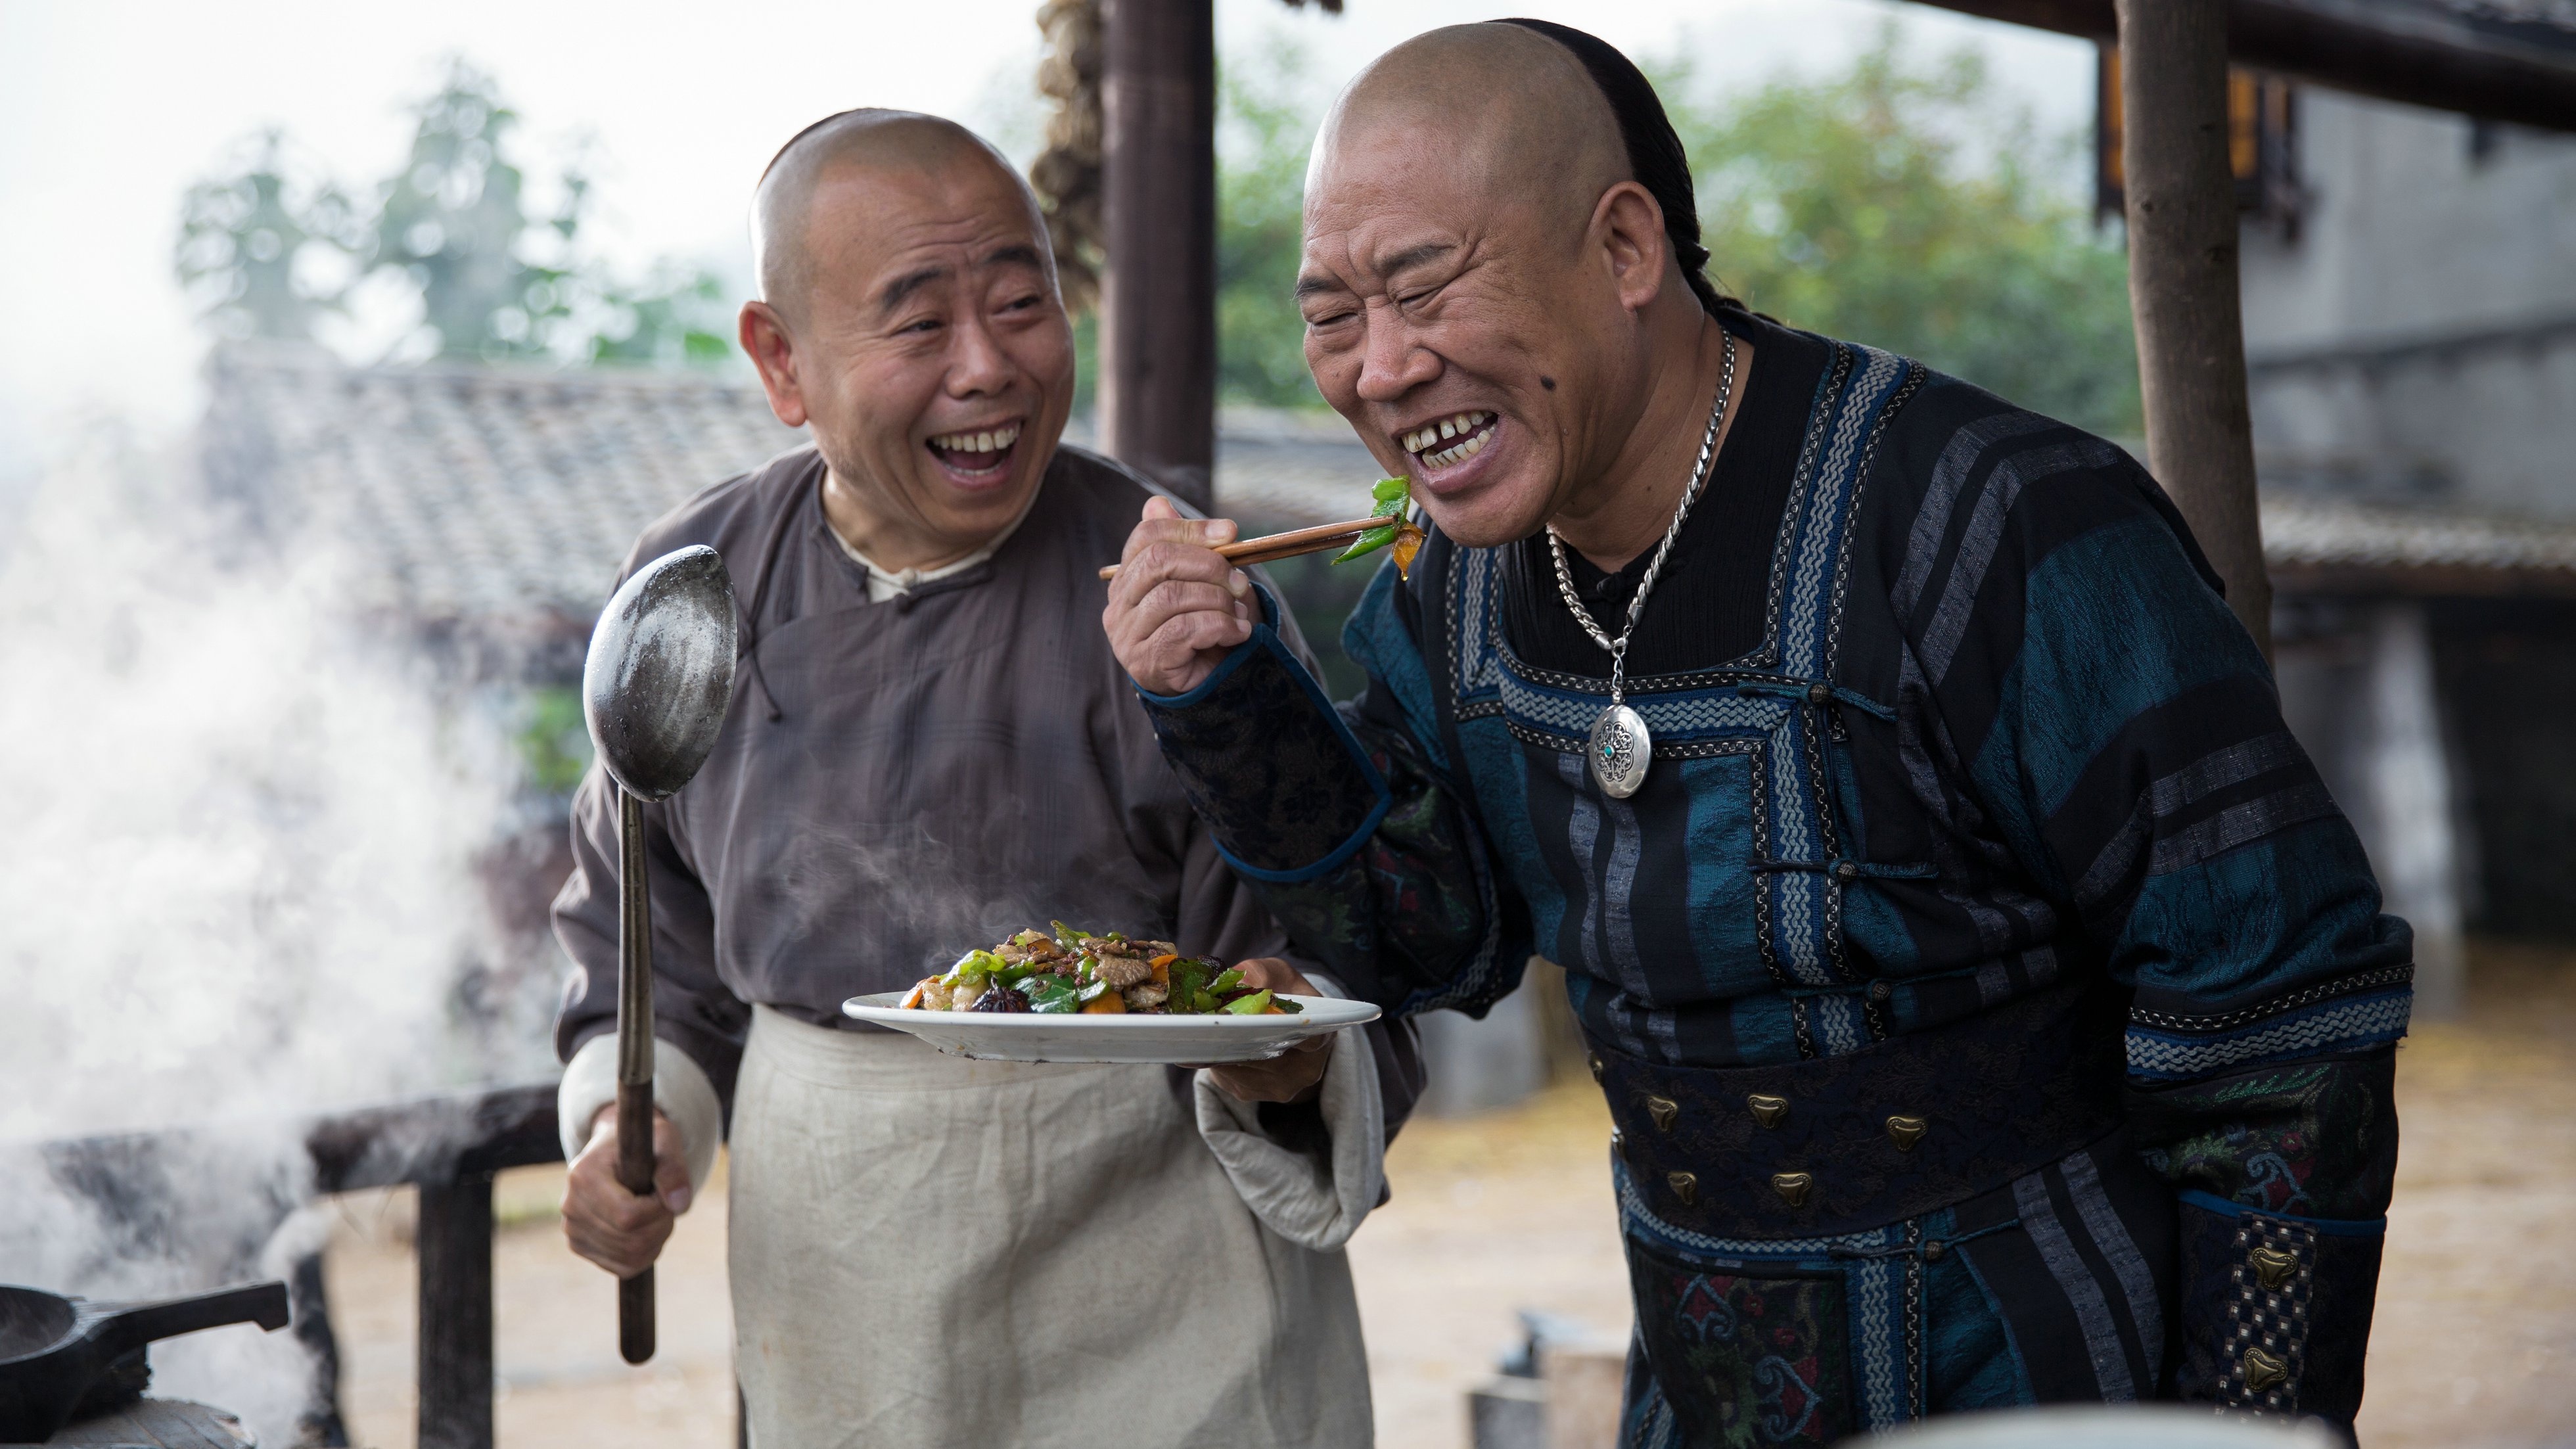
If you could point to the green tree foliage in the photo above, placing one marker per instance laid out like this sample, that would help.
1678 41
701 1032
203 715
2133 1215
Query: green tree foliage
1264 133
1849 205
269 254
263 251
455 219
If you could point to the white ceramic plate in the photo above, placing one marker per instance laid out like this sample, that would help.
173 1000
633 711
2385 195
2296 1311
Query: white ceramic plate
1013 1036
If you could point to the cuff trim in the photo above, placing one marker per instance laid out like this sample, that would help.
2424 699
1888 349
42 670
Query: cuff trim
680 1088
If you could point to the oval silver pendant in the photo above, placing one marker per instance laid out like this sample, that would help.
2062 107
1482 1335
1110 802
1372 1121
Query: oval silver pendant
1621 750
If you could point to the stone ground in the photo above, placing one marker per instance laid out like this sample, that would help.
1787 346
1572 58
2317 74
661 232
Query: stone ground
2475 1343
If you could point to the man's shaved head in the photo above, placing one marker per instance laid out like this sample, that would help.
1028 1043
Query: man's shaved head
871 139
1516 111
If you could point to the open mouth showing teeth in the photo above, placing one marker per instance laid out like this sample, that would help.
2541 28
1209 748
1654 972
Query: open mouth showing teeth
1450 440
976 452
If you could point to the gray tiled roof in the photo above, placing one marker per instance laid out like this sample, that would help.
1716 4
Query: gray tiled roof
474 492
510 496
2328 543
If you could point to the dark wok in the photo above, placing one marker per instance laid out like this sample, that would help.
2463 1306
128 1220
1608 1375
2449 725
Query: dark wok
53 1349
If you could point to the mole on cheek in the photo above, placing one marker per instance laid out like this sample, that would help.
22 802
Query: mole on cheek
1547 382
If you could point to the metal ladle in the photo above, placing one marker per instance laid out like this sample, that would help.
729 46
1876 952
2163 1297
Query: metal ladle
654 691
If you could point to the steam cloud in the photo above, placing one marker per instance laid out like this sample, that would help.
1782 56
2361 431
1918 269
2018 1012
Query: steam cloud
238 889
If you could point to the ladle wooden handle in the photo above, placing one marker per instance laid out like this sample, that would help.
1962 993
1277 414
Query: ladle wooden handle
634 1061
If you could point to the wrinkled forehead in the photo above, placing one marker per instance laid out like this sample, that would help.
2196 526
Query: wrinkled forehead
865 220
1390 197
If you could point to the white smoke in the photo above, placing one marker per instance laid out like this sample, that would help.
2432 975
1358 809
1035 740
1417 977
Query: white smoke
237 886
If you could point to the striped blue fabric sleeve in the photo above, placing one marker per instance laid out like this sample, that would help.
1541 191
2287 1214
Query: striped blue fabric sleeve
2123 732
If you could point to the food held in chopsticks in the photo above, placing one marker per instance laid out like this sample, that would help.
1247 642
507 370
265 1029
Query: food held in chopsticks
1393 496
1067 971
1386 526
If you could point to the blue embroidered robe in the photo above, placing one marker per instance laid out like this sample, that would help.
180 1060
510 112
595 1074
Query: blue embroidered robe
2001 735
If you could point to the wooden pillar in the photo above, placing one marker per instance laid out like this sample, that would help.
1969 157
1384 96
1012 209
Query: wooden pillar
455 1246
1158 301
2182 285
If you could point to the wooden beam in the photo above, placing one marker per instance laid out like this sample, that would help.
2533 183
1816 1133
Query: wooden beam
2497 69
2182 286
1158 301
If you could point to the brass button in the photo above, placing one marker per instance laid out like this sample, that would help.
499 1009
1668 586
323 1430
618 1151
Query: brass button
1664 1110
1935 1250
2273 1267
1906 1131
2263 1370
1846 872
1768 1110
1819 693
1595 1062
1685 1185
1881 990
1793 1187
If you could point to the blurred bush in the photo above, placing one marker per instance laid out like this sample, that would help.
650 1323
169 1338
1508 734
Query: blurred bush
1914 207
272 248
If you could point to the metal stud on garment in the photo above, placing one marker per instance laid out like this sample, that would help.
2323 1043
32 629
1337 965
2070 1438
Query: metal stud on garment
1793 1187
2273 1268
1906 1131
1664 1110
2263 1371
1685 1185
1594 1062
1768 1110
1618 1144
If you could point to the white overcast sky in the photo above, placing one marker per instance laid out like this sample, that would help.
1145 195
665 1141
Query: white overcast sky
110 108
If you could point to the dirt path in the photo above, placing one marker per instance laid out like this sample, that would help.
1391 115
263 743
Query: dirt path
2474 1344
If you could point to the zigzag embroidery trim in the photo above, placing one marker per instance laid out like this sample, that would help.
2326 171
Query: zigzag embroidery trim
2359 981
1670 717
2353 1023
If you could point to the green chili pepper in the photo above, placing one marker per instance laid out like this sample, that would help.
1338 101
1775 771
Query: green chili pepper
1232 980
1253 1005
1066 936
1286 1006
1367 543
1390 490
1093 992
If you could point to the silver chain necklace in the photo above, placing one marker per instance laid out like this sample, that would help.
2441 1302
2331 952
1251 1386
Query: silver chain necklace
1621 748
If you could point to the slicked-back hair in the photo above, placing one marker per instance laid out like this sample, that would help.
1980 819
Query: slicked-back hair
1655 152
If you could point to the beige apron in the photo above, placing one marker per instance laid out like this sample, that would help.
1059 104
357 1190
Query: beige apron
935 1252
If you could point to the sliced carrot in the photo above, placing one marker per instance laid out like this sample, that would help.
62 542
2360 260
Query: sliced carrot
1107 1003
1162 968
912 1000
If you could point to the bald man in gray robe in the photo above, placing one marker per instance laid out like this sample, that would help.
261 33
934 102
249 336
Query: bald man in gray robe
929 747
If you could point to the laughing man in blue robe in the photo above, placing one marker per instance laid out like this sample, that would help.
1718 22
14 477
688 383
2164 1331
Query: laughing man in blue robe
1993 1007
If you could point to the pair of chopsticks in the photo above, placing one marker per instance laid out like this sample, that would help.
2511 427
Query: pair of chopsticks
1290 544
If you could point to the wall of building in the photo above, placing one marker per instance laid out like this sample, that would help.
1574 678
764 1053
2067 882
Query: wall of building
2415 338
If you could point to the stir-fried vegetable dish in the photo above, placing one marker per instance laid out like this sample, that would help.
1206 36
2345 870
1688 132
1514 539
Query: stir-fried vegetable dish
1068 971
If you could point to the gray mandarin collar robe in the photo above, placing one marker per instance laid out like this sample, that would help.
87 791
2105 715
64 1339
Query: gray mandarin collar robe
899 781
